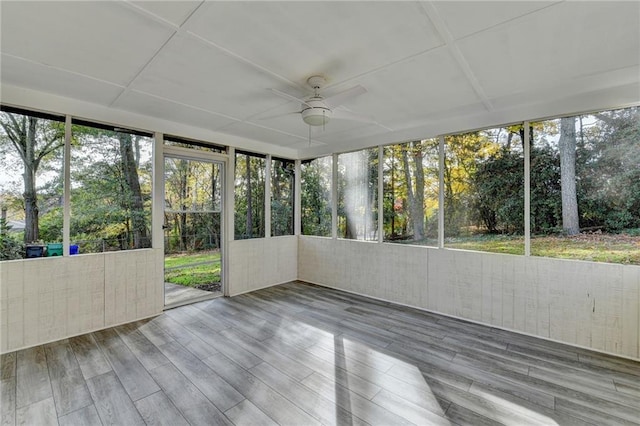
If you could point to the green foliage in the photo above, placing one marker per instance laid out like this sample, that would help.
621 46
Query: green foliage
316 197
249 197
282 196
10 247
498 189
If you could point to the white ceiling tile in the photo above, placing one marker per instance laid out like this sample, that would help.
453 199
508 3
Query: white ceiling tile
174 12
555 45
18 72
192 72
407 91
148 105
100 39
468 17
250 131
299 39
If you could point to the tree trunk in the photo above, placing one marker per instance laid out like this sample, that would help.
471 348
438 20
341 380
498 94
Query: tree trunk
134 193
249 223
567 148
418 199
31 229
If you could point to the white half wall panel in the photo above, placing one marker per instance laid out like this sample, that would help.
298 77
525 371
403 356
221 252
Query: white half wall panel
261 262
51 298
587 304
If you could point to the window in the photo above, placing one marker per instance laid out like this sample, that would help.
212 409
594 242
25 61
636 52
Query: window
410 173
282 196
484 190
358 195
31 183
110 188
316 179
585 187
249 196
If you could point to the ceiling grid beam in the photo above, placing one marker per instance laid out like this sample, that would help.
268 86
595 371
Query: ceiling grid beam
176 30
434 16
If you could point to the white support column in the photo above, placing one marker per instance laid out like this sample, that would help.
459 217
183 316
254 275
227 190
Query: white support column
66 206
297 199
380 194
157 210
441 193
228 222
334 196
229 205
527 190
267 197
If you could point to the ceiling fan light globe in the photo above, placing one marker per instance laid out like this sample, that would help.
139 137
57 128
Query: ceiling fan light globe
316 116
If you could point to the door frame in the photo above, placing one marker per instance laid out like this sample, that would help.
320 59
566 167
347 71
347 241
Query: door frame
168 151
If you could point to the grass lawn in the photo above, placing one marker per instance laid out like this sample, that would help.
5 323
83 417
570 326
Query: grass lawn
193 269
613 248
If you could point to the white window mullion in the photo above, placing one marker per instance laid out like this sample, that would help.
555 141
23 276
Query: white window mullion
380 194
334 196
441 193
66 209
297 199
267 197
527 190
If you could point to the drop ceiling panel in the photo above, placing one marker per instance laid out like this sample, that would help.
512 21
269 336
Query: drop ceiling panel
192 72
468 17
18 72
554 46
416 88
298 39
174 12
148 105
250 131
104 40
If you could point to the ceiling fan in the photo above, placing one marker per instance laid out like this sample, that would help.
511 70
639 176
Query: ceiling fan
317 110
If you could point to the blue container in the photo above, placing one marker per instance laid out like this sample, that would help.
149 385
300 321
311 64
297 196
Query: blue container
74 249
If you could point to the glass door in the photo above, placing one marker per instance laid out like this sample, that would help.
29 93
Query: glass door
193 194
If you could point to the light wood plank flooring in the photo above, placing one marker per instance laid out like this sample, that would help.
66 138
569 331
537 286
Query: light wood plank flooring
299 354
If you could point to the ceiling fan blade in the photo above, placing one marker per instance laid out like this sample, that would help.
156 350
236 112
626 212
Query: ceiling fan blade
342 114
342 97
289 97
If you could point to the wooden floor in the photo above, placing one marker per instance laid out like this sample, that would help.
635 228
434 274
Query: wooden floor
298 354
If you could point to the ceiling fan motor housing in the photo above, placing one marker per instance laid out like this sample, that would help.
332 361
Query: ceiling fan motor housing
315 112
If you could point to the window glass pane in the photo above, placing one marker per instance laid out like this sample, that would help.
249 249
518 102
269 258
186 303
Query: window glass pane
110 189
282 195
315 179
358 195
484 190
411 193
585 187
31 185
249 196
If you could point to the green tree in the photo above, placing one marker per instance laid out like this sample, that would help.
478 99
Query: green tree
34 140
567 148
316 197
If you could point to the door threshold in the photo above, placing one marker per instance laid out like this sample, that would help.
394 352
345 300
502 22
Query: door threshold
192 300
